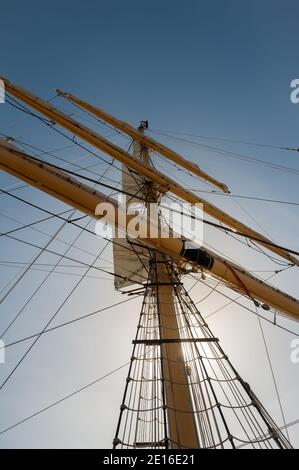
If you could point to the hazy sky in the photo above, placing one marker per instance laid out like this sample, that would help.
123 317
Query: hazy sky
210 68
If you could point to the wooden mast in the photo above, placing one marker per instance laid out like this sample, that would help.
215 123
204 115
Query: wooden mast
182 431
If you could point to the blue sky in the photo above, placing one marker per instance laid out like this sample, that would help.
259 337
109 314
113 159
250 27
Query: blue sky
212 68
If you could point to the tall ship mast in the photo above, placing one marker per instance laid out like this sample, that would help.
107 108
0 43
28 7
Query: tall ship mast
182 391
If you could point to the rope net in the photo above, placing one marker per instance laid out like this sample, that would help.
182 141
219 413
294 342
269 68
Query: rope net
222 412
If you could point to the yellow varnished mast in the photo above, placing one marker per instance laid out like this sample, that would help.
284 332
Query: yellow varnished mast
181 420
